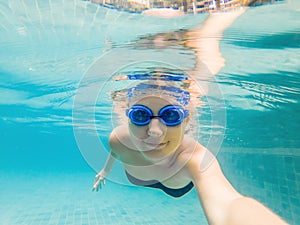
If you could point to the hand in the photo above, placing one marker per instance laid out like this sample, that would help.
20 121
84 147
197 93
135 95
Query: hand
99 180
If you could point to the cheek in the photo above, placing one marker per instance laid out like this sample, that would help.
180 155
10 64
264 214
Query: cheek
137 131
175 134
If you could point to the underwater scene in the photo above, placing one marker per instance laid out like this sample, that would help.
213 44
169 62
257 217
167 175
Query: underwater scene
63 65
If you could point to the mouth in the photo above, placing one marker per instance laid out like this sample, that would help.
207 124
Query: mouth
156 146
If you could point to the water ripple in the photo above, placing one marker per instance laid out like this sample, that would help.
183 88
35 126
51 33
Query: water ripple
268 90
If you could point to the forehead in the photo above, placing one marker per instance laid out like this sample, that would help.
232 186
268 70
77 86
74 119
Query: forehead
155 102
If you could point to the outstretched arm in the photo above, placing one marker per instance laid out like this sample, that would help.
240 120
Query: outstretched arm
103 173
221 202
115 147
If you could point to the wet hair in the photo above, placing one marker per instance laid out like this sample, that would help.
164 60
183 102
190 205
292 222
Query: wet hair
175 94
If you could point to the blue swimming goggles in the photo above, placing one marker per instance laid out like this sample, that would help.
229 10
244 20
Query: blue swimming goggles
170 115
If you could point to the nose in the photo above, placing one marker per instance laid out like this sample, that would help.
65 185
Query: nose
155 128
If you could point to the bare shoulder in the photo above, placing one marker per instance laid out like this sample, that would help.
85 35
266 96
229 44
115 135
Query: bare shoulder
190 149
191 153
120 139
119 133
197 159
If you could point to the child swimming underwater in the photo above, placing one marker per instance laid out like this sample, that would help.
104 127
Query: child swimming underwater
156 152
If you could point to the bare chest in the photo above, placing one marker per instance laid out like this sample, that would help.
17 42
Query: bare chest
171 175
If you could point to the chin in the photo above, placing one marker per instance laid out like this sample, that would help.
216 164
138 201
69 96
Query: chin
159 154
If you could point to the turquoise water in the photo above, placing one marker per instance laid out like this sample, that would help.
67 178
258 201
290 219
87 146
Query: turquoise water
47 47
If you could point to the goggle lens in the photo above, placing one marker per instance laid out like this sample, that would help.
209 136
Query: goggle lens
140 116
170 115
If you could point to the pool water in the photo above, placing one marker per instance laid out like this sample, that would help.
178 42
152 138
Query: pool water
47 47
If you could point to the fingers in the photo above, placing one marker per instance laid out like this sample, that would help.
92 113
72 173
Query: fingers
98 181
96 186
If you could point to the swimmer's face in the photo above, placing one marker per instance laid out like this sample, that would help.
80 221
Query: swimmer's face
156 140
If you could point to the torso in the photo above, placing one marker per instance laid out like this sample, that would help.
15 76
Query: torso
170 172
